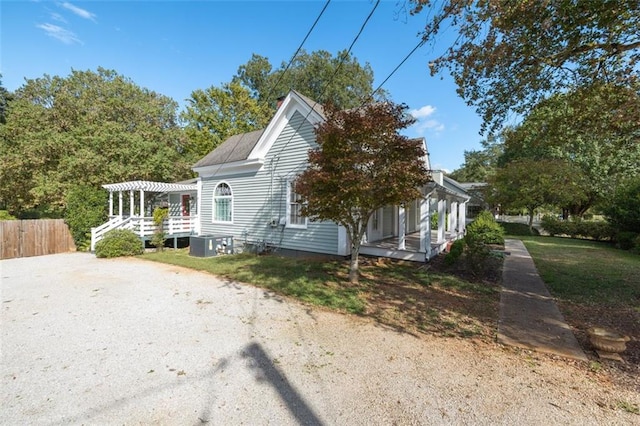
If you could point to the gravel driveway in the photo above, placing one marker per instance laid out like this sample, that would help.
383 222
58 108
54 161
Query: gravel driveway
125 341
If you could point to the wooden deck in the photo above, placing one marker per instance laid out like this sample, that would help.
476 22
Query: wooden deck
174 227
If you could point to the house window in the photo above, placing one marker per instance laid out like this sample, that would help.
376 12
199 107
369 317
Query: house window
295 219
222 203
374 220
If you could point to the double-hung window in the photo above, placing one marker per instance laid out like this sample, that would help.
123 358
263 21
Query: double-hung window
222 203
295 219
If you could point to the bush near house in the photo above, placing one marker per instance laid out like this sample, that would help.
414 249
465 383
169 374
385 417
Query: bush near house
159 236
457 248
485 230
475 248
85 208
119 242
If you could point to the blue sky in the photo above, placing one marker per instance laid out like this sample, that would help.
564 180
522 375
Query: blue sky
175 47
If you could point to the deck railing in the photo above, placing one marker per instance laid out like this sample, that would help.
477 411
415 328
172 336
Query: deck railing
144 227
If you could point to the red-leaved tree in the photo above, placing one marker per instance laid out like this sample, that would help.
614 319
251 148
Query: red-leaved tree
361 164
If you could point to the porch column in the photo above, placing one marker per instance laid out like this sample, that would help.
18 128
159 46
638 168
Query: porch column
449 219
110 203
463 218
141 203
401 227
120 203
131 203
424 212
199 206
454 218
442 212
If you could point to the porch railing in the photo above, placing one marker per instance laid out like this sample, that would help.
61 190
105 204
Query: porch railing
144 227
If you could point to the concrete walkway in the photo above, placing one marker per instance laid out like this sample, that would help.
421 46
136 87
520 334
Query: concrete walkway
529 317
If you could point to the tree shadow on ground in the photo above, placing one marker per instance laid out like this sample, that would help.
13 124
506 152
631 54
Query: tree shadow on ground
428 298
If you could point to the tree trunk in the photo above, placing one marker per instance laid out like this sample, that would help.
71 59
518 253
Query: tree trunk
531 213
354 267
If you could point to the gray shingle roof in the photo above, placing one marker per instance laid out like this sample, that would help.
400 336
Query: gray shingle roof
236 148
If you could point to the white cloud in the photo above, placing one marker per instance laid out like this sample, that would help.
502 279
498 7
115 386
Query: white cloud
78 11
423 112
423 121
433 125
58 17
62 34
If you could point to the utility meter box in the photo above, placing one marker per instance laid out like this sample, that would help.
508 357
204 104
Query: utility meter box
210 245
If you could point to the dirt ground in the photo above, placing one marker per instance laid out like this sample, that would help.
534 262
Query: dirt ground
580 318
90 341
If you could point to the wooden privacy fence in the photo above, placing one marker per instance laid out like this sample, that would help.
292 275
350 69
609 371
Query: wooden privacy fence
24 238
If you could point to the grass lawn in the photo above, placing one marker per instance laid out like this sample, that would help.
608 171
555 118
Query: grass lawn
594 284
587 271
407 296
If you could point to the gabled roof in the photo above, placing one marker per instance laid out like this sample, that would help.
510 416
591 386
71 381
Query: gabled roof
313 104
236 148
246 151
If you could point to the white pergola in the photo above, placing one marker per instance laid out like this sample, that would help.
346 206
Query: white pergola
142 186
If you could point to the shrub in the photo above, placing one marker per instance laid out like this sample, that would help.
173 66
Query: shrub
552 225
86 207
4 215
626 240
457 248
636 245
600 231
484 229
159 237
519 229
434 220
477 255
119 242
578 229
623 209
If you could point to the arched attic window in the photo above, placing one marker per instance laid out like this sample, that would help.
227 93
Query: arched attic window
223 203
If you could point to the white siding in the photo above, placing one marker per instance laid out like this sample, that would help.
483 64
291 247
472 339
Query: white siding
260 198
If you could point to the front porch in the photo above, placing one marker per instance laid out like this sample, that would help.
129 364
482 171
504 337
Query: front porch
389 247
408 232
135 212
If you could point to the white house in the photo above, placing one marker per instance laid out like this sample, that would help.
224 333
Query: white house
245 190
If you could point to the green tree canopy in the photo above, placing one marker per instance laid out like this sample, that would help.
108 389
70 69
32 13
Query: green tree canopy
530 184
217 113
480 165
325 78
594 129
509 55
88 128
361 164
5 98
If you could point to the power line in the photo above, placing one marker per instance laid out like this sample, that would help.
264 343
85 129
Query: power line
278 82
328 83
421 43
266 98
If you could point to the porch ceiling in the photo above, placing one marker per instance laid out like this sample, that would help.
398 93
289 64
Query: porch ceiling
446 192
148 186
